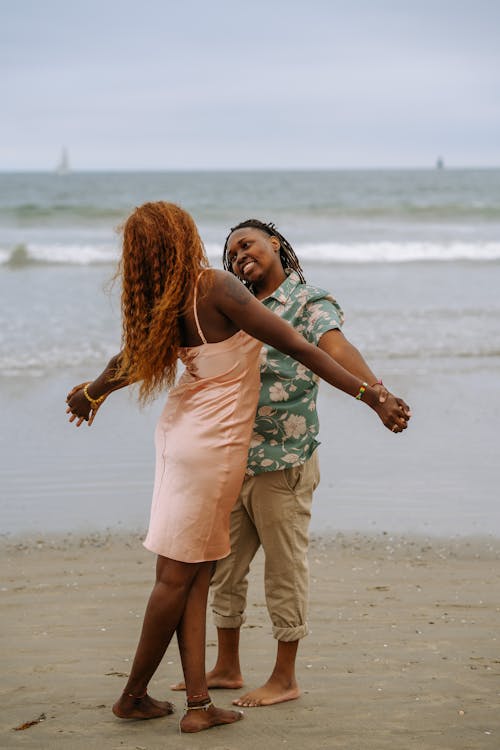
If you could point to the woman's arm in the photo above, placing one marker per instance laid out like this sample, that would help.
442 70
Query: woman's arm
84 407
234 301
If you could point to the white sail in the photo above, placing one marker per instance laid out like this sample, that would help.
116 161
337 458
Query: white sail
63 166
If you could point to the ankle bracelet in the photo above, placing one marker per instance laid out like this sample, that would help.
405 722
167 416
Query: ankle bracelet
203 707
136 697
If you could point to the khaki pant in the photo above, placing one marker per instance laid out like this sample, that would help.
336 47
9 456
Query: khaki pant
273 509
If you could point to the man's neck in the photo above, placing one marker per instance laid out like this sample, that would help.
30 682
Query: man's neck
267 289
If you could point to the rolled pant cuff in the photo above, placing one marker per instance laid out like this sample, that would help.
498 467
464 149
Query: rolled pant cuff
223 621
290 634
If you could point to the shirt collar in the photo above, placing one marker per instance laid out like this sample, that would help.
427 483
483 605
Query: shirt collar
286 289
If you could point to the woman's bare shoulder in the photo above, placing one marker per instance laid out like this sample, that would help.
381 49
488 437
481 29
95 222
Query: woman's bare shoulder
225 284
210 276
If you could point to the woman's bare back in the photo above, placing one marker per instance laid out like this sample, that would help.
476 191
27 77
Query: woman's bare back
216 326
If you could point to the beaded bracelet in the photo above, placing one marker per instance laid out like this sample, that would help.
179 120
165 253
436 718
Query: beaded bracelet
94 402
362 389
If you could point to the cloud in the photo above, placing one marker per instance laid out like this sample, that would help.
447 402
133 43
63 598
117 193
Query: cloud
237 84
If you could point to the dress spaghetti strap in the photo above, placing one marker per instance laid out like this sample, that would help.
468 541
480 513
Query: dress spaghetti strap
200 332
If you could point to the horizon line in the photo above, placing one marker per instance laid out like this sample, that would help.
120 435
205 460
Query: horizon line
430 168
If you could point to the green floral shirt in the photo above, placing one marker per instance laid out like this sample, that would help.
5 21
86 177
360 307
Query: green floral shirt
286 424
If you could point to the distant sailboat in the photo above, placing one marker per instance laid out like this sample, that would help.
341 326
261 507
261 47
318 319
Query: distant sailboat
63 166
439 163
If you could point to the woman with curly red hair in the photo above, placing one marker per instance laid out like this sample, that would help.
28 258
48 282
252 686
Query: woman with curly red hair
175 307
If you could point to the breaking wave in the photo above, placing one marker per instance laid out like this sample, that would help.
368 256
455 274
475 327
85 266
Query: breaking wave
29 254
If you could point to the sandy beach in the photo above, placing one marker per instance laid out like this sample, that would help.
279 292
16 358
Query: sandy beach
403 649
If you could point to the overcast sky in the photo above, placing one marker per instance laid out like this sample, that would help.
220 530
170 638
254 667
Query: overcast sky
187 84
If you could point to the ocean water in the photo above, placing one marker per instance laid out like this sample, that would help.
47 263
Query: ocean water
412 256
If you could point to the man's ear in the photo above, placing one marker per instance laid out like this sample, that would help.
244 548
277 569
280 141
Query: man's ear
276 244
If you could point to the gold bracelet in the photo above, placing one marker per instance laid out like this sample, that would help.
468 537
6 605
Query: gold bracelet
94 402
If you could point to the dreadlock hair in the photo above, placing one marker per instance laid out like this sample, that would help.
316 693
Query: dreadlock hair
287 254
161 259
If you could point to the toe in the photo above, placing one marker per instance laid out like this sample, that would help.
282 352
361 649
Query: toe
178 686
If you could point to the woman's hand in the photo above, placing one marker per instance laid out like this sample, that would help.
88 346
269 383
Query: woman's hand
83 409
80 407
393 412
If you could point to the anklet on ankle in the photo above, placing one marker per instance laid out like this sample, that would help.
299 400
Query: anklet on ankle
136 697
203 707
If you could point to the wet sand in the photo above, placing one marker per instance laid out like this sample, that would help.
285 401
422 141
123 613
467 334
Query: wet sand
403 650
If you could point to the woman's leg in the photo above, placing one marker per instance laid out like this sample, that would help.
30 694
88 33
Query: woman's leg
228 587
200 713
164 610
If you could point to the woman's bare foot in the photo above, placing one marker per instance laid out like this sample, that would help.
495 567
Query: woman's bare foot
196 720
216 679
269 694
129 707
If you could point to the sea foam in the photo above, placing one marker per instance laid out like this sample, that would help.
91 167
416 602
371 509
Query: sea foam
54 254
32 254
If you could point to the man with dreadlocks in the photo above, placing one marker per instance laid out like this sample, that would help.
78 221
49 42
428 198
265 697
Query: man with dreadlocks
274 506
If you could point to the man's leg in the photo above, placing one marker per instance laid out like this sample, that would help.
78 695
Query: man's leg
281 515
226 672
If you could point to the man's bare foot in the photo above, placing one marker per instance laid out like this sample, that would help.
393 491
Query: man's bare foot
269 694
129 707
196 720
215 679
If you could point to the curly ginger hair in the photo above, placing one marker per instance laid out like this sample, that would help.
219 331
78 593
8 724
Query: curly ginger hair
161 259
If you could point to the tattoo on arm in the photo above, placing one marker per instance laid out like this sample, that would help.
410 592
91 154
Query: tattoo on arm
236 290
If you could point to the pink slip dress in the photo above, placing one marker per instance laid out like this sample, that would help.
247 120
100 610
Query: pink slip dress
202 440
